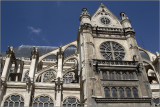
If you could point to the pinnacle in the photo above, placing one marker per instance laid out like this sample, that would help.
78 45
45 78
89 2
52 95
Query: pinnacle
102 5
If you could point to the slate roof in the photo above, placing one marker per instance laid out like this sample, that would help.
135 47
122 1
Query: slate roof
25 51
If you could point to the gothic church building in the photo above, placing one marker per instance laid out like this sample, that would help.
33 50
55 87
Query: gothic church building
104 67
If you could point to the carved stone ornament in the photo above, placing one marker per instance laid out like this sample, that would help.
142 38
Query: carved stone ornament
140 67
34 53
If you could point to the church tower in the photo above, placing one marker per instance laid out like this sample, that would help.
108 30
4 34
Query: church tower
112 72
104 67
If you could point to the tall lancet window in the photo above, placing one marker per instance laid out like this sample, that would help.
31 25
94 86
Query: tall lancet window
107 92
128 92
68 77
121 92
48 76
135 92
114 93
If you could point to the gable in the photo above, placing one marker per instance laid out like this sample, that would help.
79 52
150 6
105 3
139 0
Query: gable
103 17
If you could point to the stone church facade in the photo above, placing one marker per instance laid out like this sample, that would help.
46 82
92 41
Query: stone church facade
106 69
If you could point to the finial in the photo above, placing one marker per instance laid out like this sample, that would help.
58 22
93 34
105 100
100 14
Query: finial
84 13
102 5
10 48
123 15
84 9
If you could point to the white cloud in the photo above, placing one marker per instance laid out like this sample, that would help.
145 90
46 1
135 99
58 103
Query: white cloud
34 30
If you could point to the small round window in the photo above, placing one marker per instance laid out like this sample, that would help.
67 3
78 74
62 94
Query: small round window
105 20
112 51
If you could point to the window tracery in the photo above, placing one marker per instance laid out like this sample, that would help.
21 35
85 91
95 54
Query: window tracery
114 93
121 92
112 51
104 74
107 92
135 92
71 102
14 101
26 76
43 101
128 92
48 75
118 76
68 77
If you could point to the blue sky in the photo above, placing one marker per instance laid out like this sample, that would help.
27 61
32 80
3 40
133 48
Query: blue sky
55 23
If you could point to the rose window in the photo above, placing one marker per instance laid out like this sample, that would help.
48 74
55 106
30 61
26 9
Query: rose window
112 51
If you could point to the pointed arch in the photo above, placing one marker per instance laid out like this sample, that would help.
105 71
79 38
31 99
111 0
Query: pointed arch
43 101
14 100
71 101
46 76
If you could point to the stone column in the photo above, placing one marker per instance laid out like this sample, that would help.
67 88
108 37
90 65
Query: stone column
8 62
30 82
59 80
34 60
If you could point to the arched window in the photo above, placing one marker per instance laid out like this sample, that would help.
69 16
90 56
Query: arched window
71 102
111 75
104 75
26 76
135 92
121 92
118 76
14 101
112 51
43 101
114 93
48 75
68 78
128 92
131 76
124 76
107 92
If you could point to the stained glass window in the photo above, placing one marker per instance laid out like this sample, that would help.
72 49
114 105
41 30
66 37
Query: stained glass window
71 102
128 92
114 93
107 92
111 75
26 76
135 92
48 75
43 101
68 78
104 75
121 92
131 76
14 101
118 76
112 51
124 76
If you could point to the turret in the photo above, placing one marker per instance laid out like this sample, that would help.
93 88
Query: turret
125 20
126 23
85 17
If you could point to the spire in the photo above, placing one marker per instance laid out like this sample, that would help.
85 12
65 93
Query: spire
126 23
123 16
84 14
85 17
102 5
